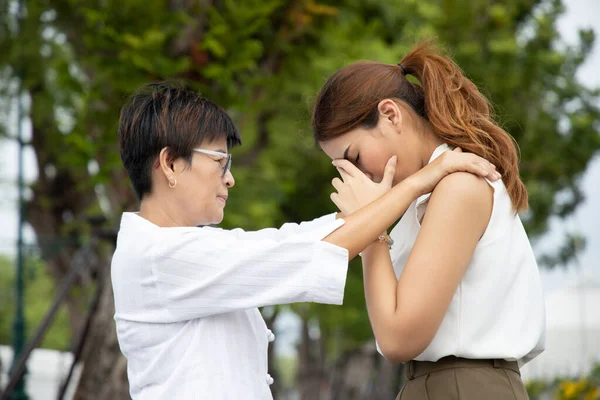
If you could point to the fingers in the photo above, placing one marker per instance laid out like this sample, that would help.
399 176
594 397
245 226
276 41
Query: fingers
389 172
478 170
485 164
476 165
472 163
337 184
487 169
335 198
345 175
341 188
348 167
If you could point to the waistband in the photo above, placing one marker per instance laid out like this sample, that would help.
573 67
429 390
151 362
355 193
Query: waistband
414 369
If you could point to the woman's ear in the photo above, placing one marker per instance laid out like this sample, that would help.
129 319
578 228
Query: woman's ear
166 163
391 112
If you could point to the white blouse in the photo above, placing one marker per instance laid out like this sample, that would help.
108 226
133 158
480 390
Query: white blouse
186 302
498 308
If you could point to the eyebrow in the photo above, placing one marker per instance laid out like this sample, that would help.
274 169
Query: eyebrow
346 152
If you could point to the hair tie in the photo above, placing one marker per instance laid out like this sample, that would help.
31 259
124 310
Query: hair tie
403 69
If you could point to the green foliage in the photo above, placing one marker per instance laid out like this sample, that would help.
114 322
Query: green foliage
286 367
39 293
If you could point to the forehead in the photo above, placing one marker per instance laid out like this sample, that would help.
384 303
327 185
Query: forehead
336 147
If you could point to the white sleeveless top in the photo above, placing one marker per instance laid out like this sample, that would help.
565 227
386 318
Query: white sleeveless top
498 308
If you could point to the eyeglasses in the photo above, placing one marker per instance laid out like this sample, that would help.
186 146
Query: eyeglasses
224 160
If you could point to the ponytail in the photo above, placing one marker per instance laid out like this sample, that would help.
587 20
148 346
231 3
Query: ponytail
460 115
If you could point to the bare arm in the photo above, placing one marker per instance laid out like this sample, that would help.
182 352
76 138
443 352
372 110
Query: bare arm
362 227
405 314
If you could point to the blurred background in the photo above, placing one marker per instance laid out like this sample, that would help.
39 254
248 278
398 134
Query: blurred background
66 67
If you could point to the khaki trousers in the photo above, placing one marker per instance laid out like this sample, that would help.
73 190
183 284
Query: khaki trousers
453 378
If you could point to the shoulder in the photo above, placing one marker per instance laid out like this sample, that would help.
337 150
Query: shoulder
464 186
465 193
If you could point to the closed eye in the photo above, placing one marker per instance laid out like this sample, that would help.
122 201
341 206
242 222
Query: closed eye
222 161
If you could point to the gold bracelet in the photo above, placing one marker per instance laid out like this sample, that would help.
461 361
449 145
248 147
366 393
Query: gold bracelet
384 237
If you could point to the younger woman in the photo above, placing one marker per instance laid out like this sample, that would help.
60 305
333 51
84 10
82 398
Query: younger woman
456 291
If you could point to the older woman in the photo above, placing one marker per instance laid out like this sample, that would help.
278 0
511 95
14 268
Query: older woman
187 295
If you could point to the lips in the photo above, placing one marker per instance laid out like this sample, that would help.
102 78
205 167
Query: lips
224 198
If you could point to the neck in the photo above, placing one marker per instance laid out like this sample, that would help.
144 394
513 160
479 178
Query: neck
431 142
153 209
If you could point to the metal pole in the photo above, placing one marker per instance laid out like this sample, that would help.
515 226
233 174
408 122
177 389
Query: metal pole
581 293
19 322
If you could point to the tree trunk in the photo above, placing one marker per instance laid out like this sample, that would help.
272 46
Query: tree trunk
310 378
58 213
104 374
363 374
388 379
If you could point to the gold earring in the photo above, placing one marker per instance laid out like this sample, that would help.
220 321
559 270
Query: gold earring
172 182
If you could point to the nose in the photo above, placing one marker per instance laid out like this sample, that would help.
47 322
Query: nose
228 179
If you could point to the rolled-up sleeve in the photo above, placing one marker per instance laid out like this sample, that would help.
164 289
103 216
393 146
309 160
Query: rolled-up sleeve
207 271
311 228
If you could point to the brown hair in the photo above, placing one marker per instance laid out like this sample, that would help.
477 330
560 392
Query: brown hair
167 114
458 113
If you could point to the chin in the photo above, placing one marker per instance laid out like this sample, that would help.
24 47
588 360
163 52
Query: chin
215 219
218 217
